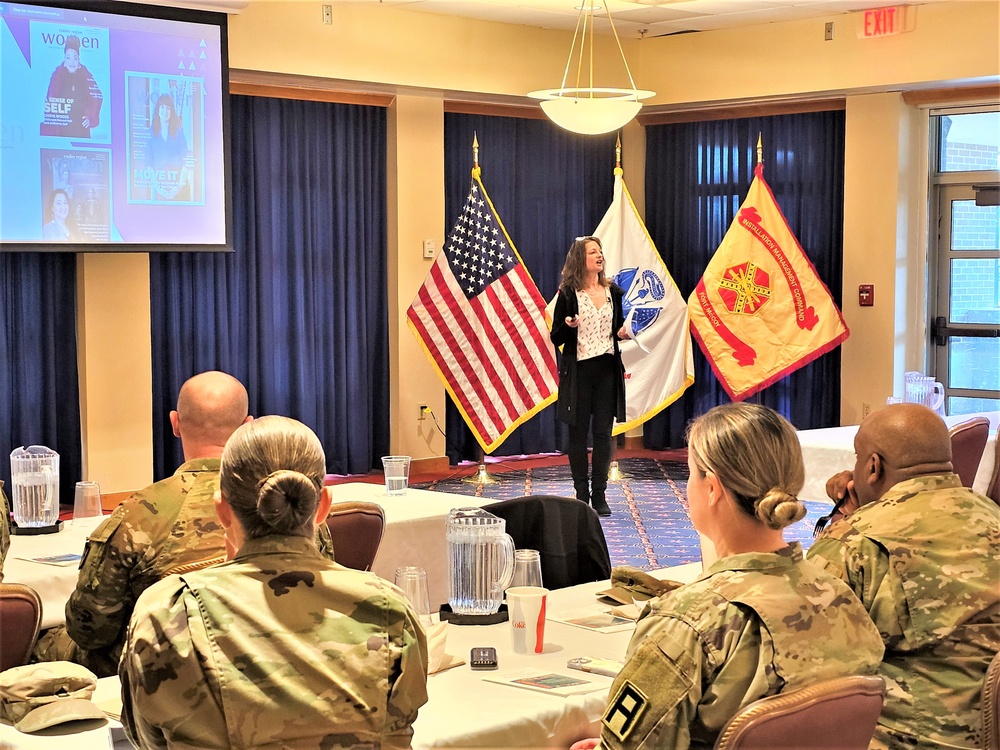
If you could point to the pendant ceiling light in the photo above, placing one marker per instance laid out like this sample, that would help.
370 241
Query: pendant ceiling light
591 110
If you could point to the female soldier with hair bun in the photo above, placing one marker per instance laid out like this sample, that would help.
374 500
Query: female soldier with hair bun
278 647
759 620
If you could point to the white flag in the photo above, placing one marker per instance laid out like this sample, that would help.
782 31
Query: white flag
659 363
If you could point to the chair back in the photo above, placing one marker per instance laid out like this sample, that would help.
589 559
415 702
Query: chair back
566 532
991 706
993 491
968 440
837 713
20 619
356 529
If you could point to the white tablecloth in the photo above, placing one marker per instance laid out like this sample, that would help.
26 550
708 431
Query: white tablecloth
414 531
54 583
829 451
414 535
463 710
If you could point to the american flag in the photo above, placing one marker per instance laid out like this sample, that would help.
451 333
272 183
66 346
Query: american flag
482 322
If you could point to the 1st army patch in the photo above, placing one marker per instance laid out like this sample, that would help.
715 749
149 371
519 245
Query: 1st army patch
625 710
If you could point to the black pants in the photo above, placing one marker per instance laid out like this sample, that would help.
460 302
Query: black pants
595 405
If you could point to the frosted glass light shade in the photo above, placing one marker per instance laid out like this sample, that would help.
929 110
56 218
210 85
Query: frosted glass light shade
580 111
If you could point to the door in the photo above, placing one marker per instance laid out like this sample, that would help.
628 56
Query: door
966 322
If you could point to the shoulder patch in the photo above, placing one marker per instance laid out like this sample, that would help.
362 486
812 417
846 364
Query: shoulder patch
625 710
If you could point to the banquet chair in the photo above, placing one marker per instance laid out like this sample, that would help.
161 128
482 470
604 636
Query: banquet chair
20 619
566 532
837 713
968 439
991 705
993 491
356 528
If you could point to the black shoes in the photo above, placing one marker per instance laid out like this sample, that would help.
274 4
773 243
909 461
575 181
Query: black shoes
601 506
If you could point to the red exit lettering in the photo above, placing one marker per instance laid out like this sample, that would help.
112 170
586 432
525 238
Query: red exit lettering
880 22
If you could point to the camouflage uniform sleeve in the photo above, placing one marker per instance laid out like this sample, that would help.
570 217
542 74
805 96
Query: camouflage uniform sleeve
4 528
169 680
653 700
98 609
856 560
408 675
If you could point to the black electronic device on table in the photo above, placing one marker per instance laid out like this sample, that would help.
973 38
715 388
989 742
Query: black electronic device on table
483 657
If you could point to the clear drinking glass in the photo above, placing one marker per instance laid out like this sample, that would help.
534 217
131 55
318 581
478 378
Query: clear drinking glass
87 502
527 568
412 580
397 474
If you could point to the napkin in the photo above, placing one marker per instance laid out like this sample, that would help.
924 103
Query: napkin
438 659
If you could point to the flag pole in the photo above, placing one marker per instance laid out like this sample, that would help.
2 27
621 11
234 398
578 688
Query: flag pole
482 476
615 474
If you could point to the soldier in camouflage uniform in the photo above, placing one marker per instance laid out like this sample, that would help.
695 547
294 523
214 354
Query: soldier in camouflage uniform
279 647
923 555
167 527
760 620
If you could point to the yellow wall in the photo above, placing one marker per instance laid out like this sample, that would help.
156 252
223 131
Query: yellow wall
428 58
115 370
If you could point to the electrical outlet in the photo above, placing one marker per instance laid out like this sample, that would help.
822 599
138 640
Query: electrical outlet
828 32
423 410
328 15
866 409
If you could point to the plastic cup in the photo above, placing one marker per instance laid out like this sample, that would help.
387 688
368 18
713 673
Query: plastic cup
397 474
412 581
526 611
87 501
527 568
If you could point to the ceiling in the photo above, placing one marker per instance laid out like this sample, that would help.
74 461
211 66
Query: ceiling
642 18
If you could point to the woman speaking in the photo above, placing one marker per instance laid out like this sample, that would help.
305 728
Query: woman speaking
588 323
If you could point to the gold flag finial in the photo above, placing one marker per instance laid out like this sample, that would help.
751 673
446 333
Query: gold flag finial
618 151
476 171
760 150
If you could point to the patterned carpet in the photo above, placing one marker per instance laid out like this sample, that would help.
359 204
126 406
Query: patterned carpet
649 527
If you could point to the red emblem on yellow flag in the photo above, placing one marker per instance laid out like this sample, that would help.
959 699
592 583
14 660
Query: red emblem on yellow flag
760 310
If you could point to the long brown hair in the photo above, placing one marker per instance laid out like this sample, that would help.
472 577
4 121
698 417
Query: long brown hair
574 272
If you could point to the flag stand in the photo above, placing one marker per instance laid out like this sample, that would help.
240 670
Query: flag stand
616 475
482 476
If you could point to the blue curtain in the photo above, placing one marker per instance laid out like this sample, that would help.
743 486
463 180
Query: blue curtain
299 312
549 186
39 386
696 176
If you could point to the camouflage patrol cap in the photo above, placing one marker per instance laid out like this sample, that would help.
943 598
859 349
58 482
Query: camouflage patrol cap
37 696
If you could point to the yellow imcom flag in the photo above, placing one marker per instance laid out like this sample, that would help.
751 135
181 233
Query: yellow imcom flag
760 310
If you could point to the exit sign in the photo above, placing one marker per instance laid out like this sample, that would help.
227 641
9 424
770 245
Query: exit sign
880 22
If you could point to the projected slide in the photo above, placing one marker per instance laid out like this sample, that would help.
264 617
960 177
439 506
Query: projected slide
111 128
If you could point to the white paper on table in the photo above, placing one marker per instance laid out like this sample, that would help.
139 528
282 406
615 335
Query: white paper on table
606 621
552 683
60 560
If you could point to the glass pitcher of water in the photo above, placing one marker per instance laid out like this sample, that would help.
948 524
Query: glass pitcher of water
34 475
480 561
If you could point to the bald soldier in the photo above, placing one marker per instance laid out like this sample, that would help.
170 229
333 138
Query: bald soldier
922 553
169 527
